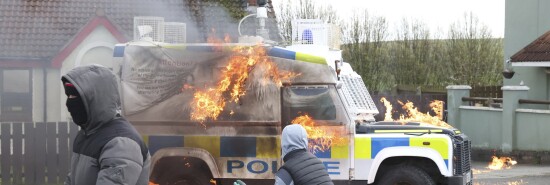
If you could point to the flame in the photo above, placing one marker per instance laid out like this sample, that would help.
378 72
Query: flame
152 183
414 115
209 103
213 182
212 38
520 182
186 87
437 107
320 139
389 108
476 171
500 163
227 38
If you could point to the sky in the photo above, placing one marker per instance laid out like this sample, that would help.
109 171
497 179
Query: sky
438 14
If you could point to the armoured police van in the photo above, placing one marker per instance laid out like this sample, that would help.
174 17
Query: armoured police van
159 83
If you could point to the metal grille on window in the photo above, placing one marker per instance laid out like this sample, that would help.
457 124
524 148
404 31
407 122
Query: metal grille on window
174 32
149 28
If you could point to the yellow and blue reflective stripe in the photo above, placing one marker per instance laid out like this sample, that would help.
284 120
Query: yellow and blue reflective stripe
287 54
220 146
339 152
377 144
158 142
238 146
368 148
274 52
409 131
363 148
208 143
440 145
269 147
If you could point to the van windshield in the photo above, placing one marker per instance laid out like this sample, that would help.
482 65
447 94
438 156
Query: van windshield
321 102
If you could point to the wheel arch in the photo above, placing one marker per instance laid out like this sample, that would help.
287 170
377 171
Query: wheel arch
198 153
408 152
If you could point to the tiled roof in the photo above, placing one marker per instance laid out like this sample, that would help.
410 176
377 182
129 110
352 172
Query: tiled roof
537 51
32 29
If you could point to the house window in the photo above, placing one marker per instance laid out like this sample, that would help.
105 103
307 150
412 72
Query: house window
16 81
15 95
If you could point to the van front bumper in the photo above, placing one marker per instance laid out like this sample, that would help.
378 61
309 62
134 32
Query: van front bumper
465 179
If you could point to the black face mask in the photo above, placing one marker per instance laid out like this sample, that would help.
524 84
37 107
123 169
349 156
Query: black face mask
76 106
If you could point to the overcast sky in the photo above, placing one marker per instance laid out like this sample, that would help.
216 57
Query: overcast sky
435 13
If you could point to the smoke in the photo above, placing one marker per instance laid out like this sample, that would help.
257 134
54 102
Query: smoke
203 17
200 17
40 29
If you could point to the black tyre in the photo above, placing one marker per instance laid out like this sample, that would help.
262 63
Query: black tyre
181 171
405 175
195 179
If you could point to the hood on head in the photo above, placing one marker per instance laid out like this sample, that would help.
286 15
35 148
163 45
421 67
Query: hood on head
294 137
98 87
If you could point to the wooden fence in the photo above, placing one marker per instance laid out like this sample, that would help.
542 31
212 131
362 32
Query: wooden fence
486 91
35 153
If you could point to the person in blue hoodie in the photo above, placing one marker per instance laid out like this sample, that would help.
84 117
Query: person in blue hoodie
107 149
300 166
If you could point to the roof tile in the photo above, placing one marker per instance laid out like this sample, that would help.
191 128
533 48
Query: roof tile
536 51
40 29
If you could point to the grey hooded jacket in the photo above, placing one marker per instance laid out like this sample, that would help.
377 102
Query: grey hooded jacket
108 150
300 167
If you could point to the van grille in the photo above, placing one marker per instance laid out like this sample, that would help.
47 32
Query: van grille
461 156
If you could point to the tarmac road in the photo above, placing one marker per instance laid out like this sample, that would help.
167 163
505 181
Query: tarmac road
519 174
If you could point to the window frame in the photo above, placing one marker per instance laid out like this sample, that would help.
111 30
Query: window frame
26 107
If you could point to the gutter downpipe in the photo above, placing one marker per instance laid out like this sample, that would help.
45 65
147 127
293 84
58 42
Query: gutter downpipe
45 81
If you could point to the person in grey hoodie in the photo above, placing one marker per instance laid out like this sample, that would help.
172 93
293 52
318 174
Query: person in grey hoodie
300 166
107 149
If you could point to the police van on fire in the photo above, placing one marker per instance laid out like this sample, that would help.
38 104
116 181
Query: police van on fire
212 113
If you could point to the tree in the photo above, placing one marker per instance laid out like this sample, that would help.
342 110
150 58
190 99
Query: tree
413 53
474 57
419 58
366 50
414 56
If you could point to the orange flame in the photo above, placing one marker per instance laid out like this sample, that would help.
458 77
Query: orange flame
227 38
389 108
321 139
476 171
212 38
213 182
152 183
437 107
500 163
520 182
209 104
414 115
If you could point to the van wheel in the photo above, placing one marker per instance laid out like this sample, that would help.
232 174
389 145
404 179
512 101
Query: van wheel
181 171
406 175
195 179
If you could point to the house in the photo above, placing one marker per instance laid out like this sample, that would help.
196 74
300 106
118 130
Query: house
527 46
518 125
42 40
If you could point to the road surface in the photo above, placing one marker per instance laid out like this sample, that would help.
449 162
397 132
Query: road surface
519 174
